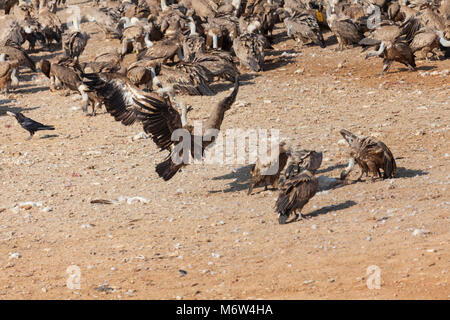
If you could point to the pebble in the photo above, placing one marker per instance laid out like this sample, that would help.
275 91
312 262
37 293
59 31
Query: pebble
14 255
139 136
421 232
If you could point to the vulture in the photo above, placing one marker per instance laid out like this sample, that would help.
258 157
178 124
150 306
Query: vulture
220 32
346 31
67 73
162 51
9 4
426 40
297 186
249 49
392 51
266 171
304 27
29 124
17 53
217 63
51 26
75 43
371 155
105 62
186 78
143 72
136 35
8 73
127 104
12 32
308 159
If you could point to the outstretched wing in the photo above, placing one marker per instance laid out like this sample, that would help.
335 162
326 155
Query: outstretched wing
127 104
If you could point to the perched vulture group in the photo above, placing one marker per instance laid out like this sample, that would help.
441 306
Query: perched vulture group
159 49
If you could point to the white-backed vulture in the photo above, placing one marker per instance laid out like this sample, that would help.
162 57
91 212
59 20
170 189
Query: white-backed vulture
220 32
17 53
426 40
391 51
304 28
11 31
186 78
66 73
127 104
297 187
8 73
249 49
51 26
345 30
218 64
142 73
266 170
371 155
162 51
75 43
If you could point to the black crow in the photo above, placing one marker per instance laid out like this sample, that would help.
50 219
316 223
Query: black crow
29 124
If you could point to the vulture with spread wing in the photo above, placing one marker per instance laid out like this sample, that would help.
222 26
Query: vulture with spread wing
127 104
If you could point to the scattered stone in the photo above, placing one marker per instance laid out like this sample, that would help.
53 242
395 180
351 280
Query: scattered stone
182 272
139 136
421 232
14 255
104 288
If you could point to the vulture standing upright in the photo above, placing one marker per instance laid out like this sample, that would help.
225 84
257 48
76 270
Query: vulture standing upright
263 170
297 187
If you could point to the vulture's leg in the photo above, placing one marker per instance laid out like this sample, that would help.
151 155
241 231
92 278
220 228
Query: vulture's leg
360 176
386 65
250 189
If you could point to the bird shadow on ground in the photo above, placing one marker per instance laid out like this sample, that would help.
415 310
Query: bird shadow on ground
421 68
4 109
244 80
241 178
31 89
403 172
331 168
50 55
332 208
48 136
281 37
275 63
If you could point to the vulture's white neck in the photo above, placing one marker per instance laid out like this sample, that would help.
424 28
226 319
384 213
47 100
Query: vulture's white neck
148 43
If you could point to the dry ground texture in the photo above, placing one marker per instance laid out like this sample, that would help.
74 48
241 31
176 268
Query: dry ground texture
229 244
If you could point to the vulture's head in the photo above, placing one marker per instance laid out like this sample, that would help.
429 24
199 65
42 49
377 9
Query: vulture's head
351 139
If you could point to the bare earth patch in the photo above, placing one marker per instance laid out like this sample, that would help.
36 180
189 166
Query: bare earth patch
227 244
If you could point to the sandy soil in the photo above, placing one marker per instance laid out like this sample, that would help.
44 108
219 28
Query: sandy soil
229 244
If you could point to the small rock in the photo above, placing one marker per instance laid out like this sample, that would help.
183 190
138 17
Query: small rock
182 272
14 255
421 232
140 136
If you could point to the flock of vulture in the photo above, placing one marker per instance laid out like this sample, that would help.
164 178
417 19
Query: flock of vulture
170 48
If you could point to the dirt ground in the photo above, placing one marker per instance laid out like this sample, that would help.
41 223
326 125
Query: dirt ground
229 245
